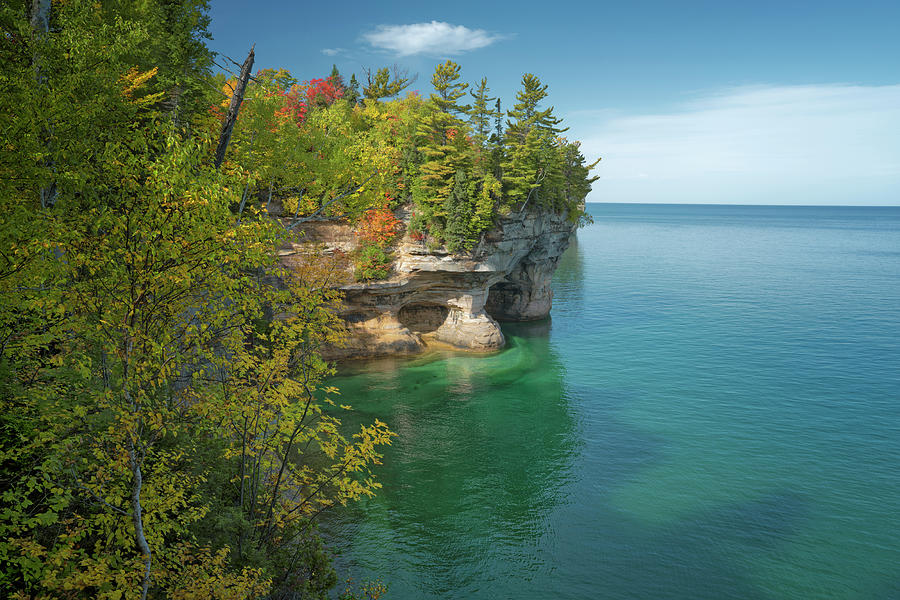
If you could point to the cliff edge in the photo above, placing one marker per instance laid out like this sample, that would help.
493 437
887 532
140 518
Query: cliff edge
455 299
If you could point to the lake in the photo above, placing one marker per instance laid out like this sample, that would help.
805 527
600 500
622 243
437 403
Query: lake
712 411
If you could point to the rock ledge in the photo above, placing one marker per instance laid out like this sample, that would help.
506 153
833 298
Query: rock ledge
455 299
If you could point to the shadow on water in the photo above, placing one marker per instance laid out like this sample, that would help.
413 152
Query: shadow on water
568 280
690 559
598 548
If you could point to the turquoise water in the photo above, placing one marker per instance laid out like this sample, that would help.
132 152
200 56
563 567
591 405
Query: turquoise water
712 412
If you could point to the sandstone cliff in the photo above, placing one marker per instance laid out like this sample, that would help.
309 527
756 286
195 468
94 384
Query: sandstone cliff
455 299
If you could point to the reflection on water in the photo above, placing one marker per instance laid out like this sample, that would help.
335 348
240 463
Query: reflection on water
484 444
569 277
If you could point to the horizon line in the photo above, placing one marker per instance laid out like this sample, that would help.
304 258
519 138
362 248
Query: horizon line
744 204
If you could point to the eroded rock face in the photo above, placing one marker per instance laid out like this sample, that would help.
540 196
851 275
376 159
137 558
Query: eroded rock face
452 298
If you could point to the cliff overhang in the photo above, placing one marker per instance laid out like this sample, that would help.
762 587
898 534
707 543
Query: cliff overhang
437 297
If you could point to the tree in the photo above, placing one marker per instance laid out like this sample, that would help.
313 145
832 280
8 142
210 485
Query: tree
233 107
481 113
351 93
442 139
459 214
336 78
176 44
386 83
488 148
529 156
526 114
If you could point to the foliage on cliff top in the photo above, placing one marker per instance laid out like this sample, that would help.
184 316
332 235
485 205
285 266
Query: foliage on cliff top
376 230
338 157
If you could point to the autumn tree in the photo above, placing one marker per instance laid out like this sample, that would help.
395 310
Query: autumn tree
141 322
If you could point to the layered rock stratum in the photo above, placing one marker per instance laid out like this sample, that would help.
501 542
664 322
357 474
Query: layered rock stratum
437 297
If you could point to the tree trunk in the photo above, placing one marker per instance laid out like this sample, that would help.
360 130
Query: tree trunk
137 517
40 15
40 24
234 107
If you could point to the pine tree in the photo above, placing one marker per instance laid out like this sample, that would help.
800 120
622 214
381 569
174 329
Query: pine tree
448 89
386 83
526 114
336 79
443 137
530 142
497 142
351 92
459 214
480 114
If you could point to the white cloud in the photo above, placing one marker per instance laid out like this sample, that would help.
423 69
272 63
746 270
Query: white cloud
814 143
332 51
434 38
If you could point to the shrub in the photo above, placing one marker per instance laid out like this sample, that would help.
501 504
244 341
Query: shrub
372 262
378 226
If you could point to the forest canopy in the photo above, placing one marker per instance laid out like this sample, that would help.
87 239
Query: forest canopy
324 148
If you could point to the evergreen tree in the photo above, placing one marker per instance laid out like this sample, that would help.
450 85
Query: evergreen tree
575 175
497 142
526 113
386 83
351 92
459 214
336 79
448 89
480 114
442 138
529 143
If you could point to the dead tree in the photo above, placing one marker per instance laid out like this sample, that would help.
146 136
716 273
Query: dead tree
234 107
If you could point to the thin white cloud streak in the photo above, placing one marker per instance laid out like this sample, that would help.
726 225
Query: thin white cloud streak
434 38
332 51
814 143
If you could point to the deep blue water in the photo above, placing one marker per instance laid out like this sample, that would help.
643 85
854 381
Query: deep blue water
713 411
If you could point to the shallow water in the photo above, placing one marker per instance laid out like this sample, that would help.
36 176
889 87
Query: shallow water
713 411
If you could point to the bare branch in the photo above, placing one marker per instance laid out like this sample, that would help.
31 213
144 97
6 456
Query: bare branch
85 488
537 183
234 107
332 201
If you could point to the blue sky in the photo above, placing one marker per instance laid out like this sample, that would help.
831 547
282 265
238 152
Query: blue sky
724 102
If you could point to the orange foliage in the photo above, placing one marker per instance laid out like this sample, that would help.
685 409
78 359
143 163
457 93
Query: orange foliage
378 226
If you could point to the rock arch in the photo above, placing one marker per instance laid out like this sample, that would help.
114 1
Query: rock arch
423 317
